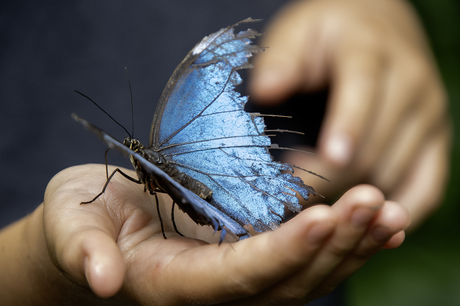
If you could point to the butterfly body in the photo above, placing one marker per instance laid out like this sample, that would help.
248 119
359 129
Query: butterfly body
151 183
209 154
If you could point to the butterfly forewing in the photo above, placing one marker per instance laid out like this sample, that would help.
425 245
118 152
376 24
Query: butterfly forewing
203 129
200 128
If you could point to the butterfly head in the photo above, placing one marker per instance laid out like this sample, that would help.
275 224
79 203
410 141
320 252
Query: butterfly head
133 144
136 146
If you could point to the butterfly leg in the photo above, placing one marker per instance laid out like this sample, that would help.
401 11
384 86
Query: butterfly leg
108 181
159 216
173 220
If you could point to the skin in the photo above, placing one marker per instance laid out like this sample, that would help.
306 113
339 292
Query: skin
386 121
65 251
386 124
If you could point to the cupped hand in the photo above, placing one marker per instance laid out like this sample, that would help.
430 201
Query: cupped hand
114 246
386 121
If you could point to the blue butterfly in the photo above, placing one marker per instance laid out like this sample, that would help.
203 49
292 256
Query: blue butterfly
209 154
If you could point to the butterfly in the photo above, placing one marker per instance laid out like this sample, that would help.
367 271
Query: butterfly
209 154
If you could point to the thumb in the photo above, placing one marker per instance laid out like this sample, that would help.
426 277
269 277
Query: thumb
91 257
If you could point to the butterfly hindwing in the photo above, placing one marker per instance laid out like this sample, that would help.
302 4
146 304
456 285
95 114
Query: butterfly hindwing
203 129
200 128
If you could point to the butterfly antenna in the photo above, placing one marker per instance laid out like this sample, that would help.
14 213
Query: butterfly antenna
130 136
132 103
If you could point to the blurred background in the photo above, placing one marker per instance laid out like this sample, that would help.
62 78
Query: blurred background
48 49
426 269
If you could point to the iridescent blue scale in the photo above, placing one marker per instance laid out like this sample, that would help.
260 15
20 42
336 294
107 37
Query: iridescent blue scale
200 127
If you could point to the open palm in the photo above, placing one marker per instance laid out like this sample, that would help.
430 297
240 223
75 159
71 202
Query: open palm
115 246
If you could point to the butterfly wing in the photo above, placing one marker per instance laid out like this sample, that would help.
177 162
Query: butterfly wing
204 212
201 126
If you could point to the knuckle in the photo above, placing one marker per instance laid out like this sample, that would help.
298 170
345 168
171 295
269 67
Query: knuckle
371 37
340 251
435 106
417 70
363 254
439 102
439 113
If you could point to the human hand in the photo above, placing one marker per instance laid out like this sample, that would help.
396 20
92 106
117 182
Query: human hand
115 246
386 121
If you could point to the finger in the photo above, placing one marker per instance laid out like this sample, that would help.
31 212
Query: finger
357 208
423 188
401 87
81 239
396 240
391 220
88 254
293 59
418 125
356 76
390 223
243 269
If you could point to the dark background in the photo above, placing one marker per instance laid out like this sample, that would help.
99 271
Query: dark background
48 49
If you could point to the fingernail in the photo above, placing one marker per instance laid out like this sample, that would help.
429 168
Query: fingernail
362 216
318 233
381 234
339 149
